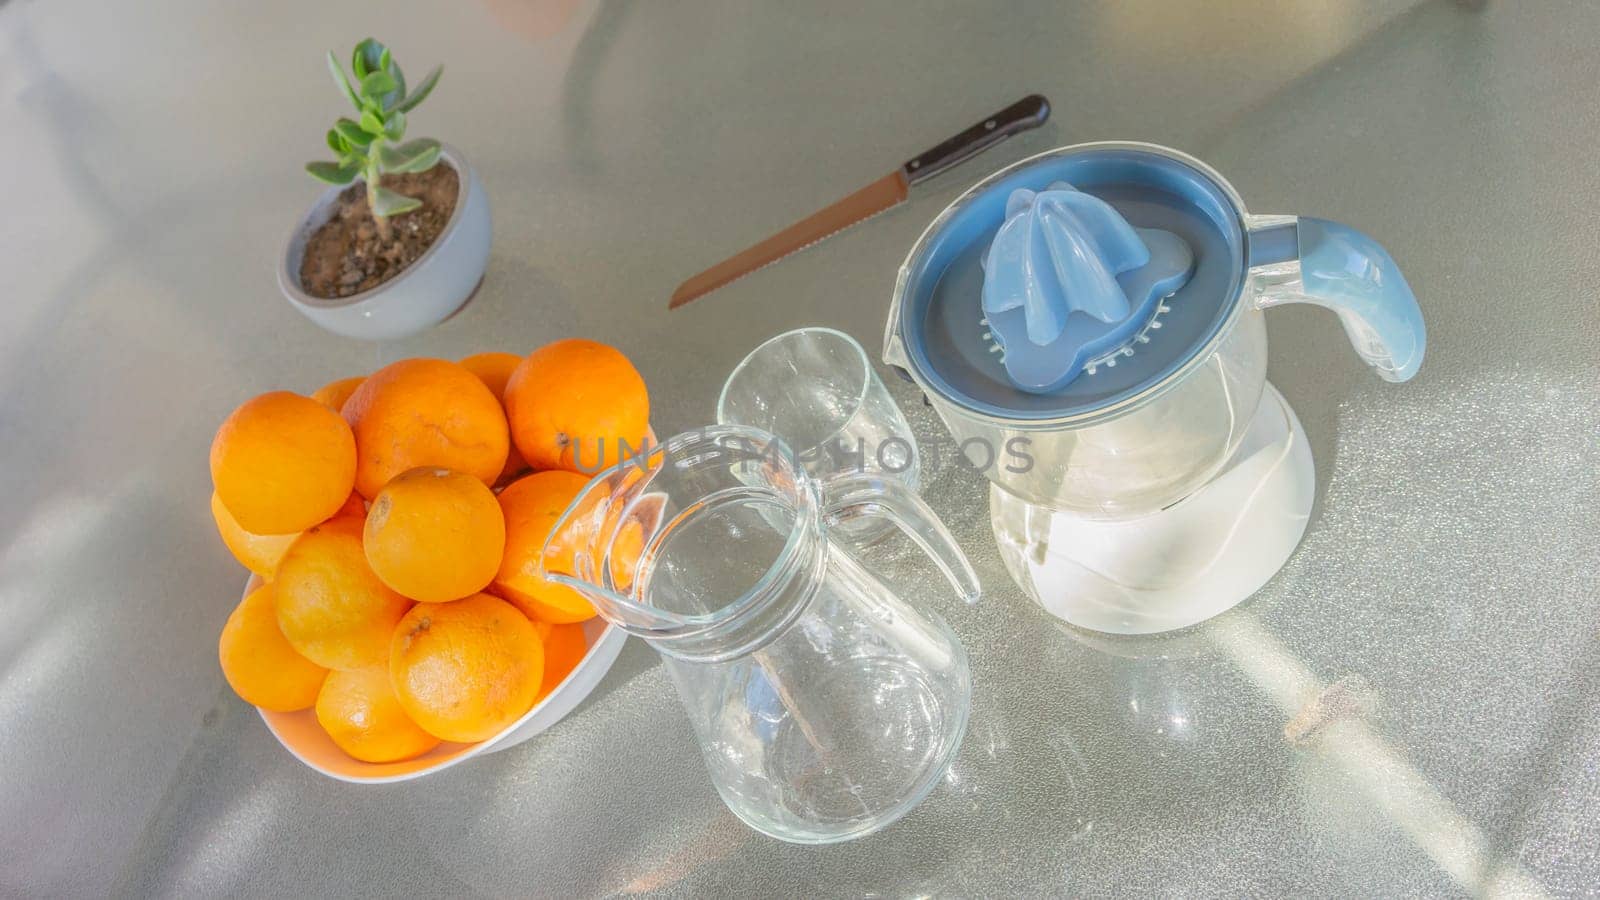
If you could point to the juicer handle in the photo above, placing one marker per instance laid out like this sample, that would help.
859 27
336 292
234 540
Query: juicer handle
849 497
1332 265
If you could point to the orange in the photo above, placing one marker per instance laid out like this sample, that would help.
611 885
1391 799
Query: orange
359 710
564 648
626 550
260 552
335 393
331 606
354 505
467 669
531 506
258 662
494 370
515 468
257 552
282 463
425 412
574 403
435 535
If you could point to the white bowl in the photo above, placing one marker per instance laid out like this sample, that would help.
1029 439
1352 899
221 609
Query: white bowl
429 290
300 734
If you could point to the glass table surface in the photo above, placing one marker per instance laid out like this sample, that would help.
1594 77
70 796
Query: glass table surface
1448 586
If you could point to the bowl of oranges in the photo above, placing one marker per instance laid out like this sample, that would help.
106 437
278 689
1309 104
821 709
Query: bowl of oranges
396 622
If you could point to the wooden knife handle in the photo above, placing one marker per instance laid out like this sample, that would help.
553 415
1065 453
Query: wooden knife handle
1029 112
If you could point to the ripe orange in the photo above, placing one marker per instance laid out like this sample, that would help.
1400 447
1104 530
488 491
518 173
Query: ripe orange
564 648
425 412
257 552
465 670
258 662
260 552
435 535
531 506
573 403
494 370
626 549
282 463
335 393
359 710
354 505
331 606
515 468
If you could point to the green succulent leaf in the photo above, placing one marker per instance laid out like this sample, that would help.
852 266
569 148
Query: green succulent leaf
393 98
376 85
365 58
389 203
384 59
336 143
394 127
372 124
343 82
421 92
419 155
354 134
333 173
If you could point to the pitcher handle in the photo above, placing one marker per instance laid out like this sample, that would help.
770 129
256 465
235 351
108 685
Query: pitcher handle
851 496
1303 260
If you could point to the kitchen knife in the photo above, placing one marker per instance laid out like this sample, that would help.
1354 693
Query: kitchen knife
888 191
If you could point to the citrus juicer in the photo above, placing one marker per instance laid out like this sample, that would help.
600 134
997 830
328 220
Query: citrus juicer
1096 311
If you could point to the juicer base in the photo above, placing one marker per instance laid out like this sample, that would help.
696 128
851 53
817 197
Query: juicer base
1193 560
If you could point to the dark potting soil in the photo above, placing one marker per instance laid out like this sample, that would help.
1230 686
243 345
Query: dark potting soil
347 255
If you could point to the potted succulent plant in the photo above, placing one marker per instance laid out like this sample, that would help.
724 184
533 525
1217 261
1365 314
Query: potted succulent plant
402 238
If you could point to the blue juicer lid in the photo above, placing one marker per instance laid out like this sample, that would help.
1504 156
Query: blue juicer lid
1073 282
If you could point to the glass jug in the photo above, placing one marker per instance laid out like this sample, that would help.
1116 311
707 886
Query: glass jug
1148 423
826 704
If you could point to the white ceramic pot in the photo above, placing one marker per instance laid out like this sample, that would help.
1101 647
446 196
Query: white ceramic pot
425 294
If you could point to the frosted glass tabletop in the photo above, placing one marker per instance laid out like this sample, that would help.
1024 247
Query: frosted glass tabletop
1447 585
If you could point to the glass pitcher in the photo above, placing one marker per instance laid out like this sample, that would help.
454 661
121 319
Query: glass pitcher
1147 423
826 704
